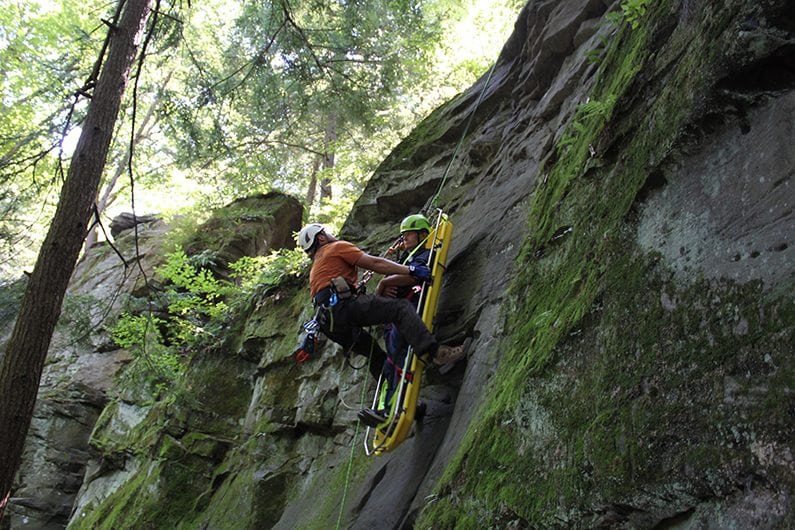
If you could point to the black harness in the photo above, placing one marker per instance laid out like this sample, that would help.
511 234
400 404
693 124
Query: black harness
323 297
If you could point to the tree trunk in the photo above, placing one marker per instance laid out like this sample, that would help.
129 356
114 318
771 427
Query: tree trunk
23 362
312 189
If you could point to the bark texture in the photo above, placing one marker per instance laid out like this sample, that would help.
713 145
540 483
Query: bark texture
27 349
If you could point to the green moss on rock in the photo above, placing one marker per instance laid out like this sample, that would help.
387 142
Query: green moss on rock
158 496
585 407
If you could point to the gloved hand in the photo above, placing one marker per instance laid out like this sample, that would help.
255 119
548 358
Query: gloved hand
420 272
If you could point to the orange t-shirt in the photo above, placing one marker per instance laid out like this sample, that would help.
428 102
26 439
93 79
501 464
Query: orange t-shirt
334 259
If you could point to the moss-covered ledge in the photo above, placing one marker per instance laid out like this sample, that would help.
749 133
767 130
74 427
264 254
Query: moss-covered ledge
624 397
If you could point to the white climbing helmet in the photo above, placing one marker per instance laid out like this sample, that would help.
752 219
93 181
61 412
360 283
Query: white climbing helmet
307 235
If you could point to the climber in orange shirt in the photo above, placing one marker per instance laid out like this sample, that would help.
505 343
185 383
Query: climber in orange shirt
344 312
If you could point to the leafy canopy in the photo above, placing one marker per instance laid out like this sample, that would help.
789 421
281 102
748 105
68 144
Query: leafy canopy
234 98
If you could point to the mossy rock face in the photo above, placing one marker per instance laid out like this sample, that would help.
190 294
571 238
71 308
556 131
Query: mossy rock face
624 372
251 226
157 496
691 401
646 372
249 497
270 337
682 401
218 389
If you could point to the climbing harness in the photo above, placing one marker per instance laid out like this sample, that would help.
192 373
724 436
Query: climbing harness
311 338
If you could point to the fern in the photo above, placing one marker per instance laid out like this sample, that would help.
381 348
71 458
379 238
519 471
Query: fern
141 335
273 269
634 11
589 116
631 11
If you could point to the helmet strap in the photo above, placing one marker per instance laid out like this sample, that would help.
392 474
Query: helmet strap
420 245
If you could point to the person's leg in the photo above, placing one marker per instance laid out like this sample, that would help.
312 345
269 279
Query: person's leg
367 310
342 329
397 348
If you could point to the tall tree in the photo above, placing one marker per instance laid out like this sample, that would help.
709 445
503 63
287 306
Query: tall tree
24 358
292 82
324 161
246 109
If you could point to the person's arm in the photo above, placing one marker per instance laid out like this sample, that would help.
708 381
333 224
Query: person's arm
381 265
388 286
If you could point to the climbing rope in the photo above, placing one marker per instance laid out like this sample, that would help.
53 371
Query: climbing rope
432 203
429 207
369 274
353 445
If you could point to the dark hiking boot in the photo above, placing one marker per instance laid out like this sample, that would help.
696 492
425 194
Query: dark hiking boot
372 418
422 409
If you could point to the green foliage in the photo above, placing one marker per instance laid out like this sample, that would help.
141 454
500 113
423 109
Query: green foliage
198 304
594 56
205 259
192 292
137 333
634 11
275 87
278 74
182 273
10 298
589 116
154 362
243 104
45 48
631 10
250 272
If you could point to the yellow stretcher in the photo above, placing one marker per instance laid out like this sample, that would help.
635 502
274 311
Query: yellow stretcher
397 427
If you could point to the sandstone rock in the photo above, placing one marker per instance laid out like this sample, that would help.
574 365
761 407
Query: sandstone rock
126 221
631 363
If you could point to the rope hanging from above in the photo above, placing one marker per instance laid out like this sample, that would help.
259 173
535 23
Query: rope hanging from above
431 205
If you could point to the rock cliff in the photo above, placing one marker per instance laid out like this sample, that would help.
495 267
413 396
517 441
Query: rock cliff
621 189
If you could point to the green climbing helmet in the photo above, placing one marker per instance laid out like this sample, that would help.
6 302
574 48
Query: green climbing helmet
415 222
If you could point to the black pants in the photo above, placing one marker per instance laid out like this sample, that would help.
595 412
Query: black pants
343 324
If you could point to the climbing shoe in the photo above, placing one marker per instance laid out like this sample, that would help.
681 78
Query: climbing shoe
448 354
453 357
372 418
